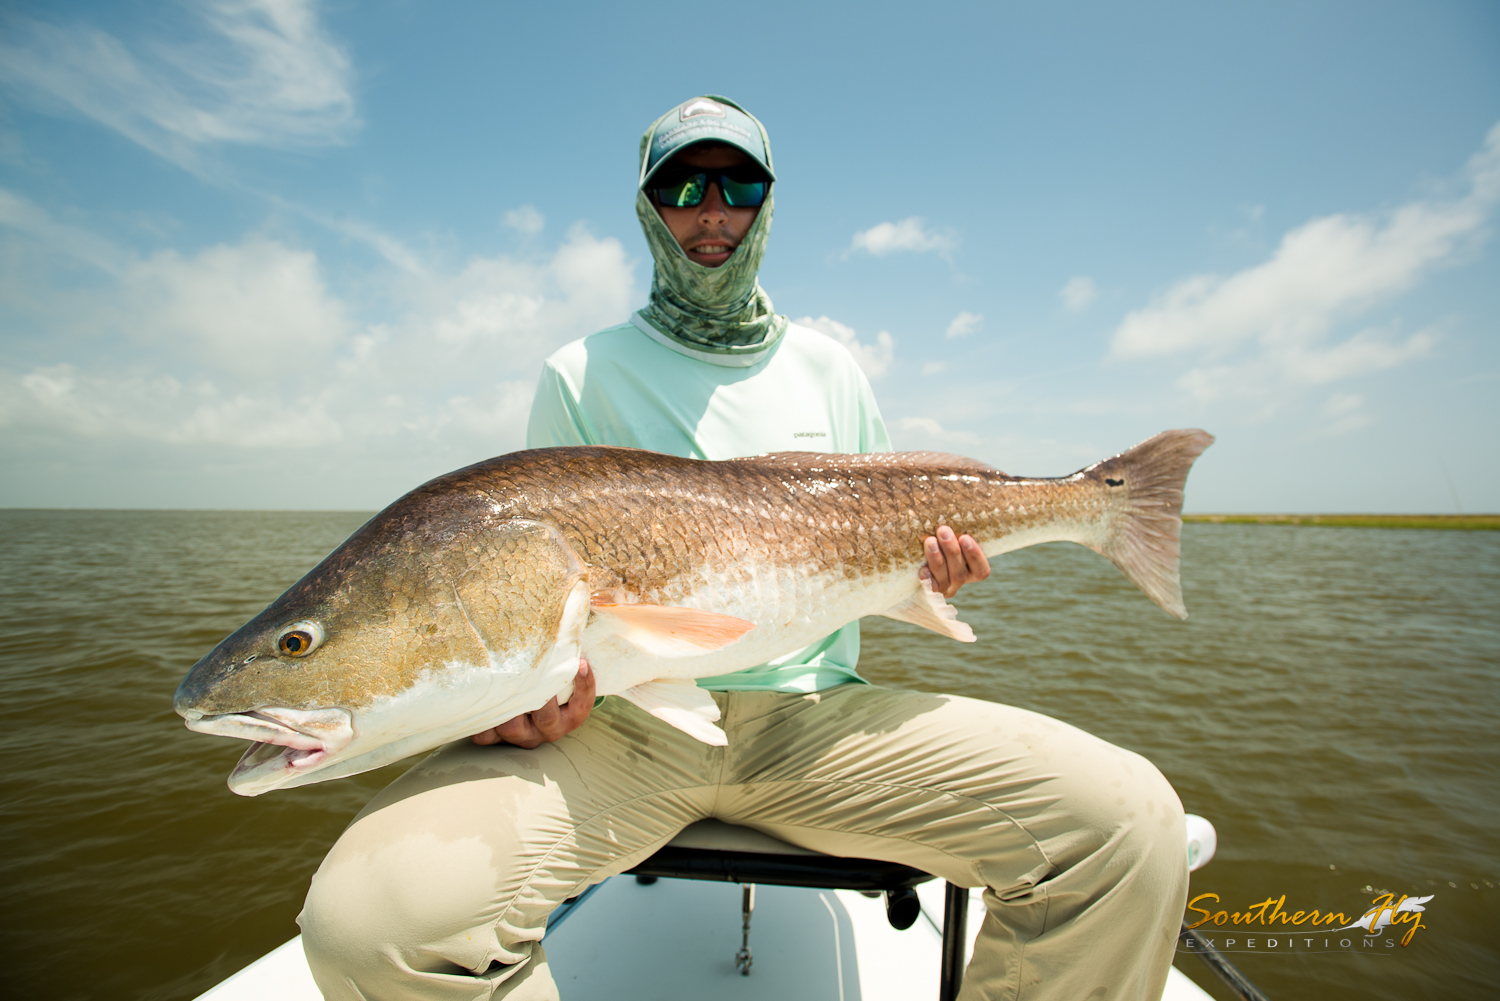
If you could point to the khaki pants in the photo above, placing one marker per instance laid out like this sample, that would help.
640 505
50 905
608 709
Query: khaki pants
441 887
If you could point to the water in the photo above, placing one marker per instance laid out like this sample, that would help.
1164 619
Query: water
1331 706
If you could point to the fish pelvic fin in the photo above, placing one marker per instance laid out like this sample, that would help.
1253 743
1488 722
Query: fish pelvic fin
672 632
683 704
926 608
1143 538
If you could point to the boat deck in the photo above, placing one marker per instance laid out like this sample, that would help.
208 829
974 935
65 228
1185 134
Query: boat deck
678 938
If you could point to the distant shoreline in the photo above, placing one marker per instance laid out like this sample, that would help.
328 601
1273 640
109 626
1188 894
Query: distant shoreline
1462 522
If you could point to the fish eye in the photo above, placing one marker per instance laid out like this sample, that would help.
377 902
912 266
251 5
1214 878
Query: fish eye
300 640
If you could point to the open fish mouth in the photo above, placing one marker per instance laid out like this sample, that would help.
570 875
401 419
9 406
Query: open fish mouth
264 752
285 741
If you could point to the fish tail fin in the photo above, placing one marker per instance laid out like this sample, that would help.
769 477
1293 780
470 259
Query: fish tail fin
1143 535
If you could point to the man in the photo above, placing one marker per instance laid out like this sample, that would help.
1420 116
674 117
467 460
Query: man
441 887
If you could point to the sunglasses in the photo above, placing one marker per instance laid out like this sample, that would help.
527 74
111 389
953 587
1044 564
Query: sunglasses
742 187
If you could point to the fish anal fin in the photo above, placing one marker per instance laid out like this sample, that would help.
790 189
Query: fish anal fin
672 632
926 608
682 704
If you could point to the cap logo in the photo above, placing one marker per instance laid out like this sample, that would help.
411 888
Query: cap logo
702 106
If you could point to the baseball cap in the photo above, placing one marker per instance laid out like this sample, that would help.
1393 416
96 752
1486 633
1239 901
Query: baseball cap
710 118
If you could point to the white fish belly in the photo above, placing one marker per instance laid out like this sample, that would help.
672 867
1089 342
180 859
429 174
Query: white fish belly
791 608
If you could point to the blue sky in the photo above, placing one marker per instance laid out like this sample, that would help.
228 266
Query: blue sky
280 254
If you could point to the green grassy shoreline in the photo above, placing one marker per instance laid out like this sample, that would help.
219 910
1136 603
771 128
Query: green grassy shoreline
1463 522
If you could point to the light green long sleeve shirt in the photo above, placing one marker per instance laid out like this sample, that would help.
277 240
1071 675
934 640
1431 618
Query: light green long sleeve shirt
632 385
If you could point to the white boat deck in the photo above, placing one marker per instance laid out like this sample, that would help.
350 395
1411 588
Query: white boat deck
677 939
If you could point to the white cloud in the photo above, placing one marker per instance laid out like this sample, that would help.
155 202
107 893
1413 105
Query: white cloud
1079 291
1294 366
875 358
235 345
1345 412
59 401
243 309
392 250
495 413
917 433
254 72
909 235
934 367
22 216
516 302
965 324
244 346
526 220
252 309
1271 322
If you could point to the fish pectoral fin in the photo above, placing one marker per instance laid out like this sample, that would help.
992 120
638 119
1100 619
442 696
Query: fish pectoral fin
682 704
926 608
672 632
563 657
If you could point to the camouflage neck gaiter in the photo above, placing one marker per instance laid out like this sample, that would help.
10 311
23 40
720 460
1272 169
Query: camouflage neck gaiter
720 310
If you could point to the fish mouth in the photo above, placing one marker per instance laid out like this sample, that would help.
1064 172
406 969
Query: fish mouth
285 743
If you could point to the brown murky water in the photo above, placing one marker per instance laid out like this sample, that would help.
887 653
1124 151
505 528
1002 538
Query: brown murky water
1332 706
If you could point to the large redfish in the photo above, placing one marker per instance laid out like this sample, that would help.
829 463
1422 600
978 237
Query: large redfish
470 600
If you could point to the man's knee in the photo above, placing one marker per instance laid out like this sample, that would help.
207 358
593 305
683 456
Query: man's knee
1128 813
415 905
1156 826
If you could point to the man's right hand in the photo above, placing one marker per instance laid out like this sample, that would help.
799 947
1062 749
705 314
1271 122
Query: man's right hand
550 722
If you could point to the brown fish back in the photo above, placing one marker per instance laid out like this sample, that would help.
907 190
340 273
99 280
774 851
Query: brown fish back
649 524
644 521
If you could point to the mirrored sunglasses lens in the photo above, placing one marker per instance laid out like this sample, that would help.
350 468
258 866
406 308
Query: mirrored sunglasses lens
744 194
685 193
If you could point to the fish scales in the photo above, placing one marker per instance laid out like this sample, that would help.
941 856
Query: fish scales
469 600
745 523
867 524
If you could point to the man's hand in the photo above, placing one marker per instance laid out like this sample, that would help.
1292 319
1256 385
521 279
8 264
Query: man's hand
549 722
953 561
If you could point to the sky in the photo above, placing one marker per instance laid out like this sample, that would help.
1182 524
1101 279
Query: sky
295 255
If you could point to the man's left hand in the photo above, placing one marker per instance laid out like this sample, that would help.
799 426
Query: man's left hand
953 561
549 723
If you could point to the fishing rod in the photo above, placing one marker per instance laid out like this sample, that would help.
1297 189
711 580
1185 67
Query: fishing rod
1222 967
